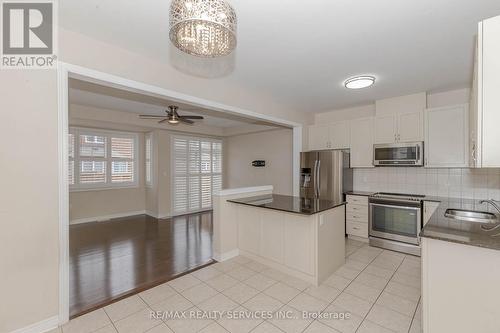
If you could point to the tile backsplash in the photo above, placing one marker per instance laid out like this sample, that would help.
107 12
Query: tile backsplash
444 182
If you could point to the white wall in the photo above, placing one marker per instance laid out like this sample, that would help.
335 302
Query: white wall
275 147
362 111
118 61
29 251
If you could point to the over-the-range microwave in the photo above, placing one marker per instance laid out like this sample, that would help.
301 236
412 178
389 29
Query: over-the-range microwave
399 154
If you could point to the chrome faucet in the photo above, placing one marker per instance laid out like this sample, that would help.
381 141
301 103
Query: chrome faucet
491 202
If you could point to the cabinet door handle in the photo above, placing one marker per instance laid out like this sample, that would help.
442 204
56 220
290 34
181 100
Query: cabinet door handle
355 228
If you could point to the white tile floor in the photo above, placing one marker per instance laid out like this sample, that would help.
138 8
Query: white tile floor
379 289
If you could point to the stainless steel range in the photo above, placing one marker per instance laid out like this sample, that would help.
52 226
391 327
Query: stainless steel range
395 221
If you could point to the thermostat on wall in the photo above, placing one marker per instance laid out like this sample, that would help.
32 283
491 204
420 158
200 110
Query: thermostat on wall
259 163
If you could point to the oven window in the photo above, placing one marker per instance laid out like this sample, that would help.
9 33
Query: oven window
398 153
392 220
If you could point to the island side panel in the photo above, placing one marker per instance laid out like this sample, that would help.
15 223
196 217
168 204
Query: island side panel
300 243
283 241
460 288
225 222
331 242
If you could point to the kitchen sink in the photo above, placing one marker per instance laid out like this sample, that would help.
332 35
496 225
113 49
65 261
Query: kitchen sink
471 216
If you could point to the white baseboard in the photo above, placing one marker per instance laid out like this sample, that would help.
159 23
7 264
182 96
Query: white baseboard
40 327
357 238
158 216
226 255
106 217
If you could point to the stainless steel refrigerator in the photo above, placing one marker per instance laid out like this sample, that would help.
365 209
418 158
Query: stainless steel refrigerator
325 174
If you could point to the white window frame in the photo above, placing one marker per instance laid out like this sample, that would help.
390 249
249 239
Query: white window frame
173 173
108 185
149 182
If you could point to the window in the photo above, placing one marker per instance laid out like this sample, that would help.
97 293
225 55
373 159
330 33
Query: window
197 173
101 159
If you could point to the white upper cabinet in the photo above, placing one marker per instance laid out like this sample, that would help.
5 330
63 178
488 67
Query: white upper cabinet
385 129
486 97
400 119
318 137
331 136
446 137
410 126
362 133
339 134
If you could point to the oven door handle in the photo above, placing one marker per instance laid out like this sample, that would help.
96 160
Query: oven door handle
379 201
394 206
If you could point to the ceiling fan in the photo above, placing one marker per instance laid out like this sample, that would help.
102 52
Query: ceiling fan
172 117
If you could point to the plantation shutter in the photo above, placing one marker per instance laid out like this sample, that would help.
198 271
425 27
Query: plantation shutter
180 149
197 173
148 156
71 159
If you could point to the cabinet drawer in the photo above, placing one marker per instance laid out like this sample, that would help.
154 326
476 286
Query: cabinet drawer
357 200
357 229
357 218
360 210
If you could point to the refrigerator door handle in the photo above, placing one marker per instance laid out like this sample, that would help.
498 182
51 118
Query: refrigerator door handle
318 168
315 177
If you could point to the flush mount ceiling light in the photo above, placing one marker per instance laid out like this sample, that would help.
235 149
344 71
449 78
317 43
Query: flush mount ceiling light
204 28
359 82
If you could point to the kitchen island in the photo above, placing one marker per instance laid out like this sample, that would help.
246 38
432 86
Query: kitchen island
460 272
301 237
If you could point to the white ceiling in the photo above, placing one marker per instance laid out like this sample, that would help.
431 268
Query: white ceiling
301 51
89 94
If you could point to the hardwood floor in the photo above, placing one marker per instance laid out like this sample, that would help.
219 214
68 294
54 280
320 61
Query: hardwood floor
114 259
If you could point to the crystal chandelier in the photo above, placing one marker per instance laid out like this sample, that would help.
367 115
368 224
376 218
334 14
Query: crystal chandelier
205 28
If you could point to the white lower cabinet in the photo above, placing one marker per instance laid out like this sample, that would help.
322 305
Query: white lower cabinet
357 229
357 216
460 289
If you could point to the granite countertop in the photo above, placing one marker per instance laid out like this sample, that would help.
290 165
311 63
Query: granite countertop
289 204
362 193
463 232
